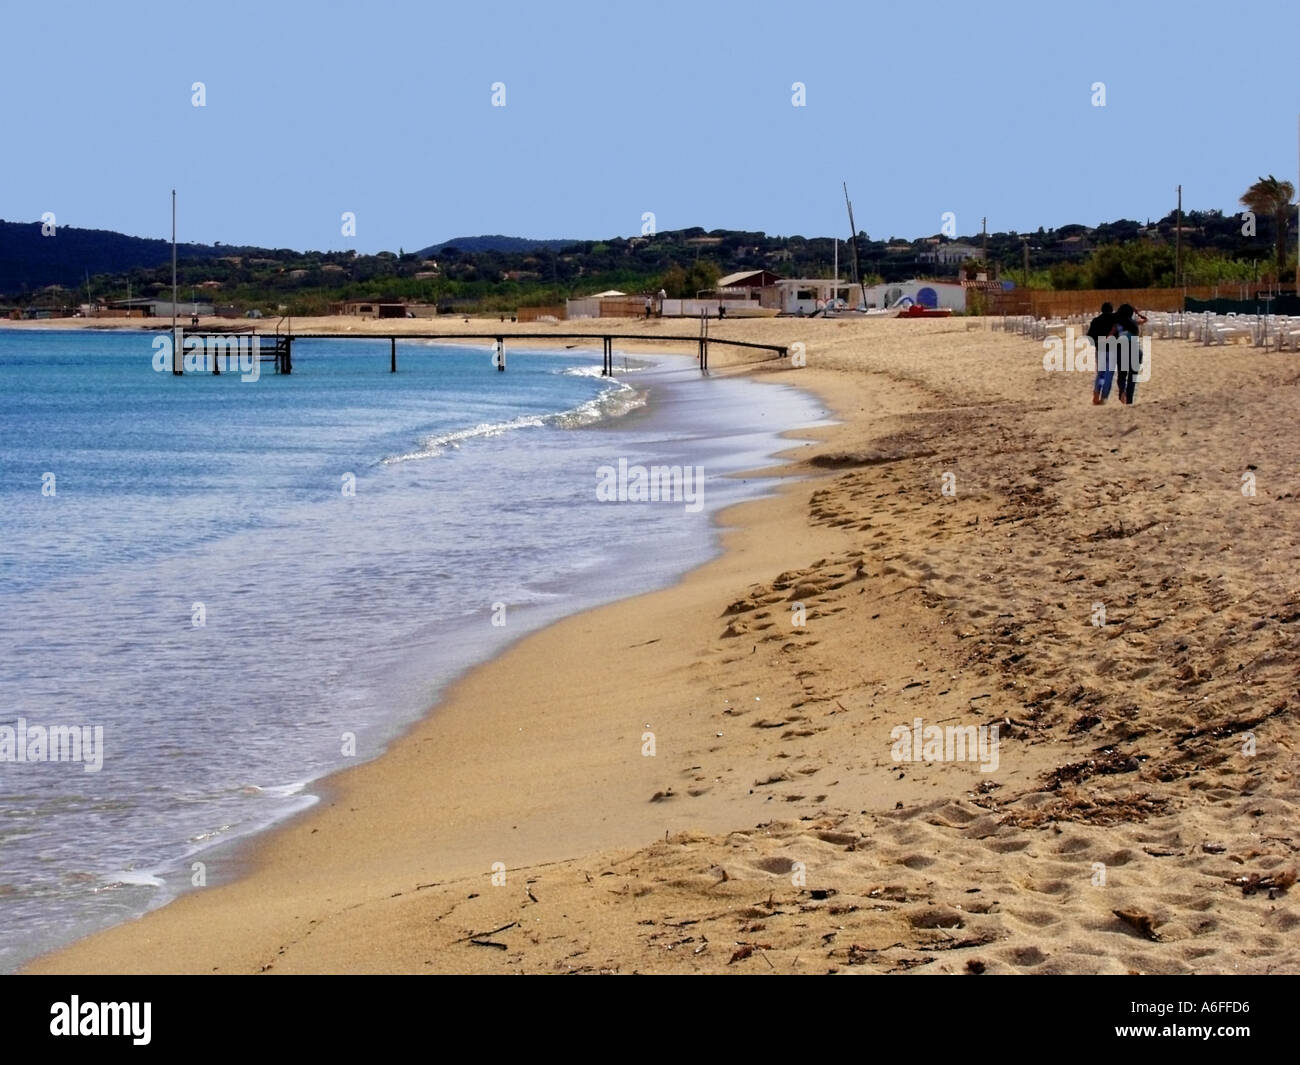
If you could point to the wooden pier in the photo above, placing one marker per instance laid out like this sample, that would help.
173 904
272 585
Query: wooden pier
277 348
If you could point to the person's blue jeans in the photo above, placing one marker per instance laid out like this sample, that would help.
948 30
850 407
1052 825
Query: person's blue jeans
1103 382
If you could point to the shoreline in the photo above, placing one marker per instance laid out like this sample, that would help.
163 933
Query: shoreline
237 856
772 828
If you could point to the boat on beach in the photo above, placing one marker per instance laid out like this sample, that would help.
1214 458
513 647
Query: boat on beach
918 310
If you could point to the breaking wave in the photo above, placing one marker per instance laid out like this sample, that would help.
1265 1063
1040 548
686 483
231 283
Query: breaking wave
614 402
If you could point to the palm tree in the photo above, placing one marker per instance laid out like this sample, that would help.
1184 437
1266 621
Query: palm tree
1271 197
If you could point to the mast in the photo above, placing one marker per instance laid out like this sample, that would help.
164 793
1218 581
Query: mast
176 347
853 236
173 262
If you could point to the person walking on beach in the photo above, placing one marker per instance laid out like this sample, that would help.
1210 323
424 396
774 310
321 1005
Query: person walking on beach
1129 332
1100 330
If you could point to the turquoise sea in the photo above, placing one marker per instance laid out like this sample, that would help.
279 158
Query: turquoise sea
246 585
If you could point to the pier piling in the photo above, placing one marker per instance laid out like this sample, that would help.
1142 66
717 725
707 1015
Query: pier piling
282 353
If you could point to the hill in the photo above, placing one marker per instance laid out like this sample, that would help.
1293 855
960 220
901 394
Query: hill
499 273
30 261
495 242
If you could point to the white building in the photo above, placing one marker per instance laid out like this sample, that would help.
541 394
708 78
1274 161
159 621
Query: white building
940 294
804 295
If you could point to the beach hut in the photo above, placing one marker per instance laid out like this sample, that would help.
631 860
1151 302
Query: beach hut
746 285
589 306
371 308
804 295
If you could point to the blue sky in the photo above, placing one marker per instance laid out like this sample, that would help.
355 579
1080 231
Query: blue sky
612 110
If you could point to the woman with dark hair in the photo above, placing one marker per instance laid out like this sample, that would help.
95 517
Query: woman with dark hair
1129 333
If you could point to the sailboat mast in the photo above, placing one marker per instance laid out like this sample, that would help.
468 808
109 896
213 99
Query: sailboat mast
177 361
853 236
173 263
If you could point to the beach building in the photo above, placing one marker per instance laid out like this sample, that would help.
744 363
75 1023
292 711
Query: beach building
370 308
616 304
748 293
949 295
804 295
746 285
151 307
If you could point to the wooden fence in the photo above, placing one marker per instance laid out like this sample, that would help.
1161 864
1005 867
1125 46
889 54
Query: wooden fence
623 308
1046 303
532 314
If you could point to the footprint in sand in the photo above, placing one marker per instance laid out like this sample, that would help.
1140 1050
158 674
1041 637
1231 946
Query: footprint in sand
1025 957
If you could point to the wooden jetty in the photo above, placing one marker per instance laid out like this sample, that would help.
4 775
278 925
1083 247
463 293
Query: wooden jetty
277 347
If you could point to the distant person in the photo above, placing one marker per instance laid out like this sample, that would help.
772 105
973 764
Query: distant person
194 320
1128 330
722 311
647 308
663 295
1100 330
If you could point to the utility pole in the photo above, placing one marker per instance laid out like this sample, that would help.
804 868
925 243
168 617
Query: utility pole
1178 242
1025 241
1297 255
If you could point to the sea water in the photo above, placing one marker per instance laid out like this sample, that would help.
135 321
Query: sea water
246 585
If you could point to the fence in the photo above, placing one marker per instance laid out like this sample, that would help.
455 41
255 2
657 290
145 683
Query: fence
634 307
708 308
1287 304
623 308
533 314
1046 303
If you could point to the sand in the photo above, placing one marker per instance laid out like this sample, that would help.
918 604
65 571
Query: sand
1146 766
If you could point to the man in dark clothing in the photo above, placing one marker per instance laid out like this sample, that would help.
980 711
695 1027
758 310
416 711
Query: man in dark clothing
1099 329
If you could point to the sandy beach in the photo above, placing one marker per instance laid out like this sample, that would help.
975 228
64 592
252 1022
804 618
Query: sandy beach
693 781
